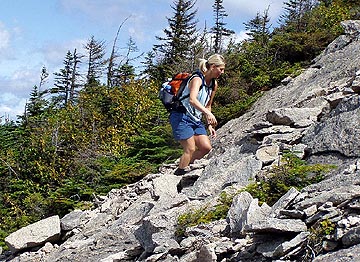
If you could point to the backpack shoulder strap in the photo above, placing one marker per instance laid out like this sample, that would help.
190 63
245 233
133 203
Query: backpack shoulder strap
196 73
199 74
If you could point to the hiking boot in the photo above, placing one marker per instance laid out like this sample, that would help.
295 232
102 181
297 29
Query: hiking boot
180 172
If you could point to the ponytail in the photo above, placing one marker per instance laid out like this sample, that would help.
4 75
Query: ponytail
203 65
216 59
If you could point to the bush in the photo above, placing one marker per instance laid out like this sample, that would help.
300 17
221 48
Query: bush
293 172
204 214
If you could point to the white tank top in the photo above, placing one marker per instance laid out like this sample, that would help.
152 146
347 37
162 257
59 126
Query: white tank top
203 97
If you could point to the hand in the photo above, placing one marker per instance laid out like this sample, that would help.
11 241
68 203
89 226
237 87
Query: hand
210 119
212 131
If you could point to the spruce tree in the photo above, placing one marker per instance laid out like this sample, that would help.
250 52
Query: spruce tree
67 80
75 83
96 62
296 14
259 28
125 71
219 30
37 103
179 37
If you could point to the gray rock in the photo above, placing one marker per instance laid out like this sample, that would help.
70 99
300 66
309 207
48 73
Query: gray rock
135 213
71 220
286 80
310 211
352 237
337 133
355 85
166 194
289 140
284 201
329 245
275 225
336 196
266 244
207 253
225 171
351 27
284 213
351 254
157 231
299 117
268 154
37 234
245 210
288 246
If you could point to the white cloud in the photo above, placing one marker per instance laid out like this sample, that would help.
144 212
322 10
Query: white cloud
20 82
4 37
15 91
252 7
11 106
243 35
54 52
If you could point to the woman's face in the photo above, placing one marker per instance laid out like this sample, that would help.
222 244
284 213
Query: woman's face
217 71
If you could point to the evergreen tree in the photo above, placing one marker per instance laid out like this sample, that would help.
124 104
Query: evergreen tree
201 48
150 68
96 53
297 14
219 29
180 36
259 28
75 84
114 55
37 102
125 71
66 81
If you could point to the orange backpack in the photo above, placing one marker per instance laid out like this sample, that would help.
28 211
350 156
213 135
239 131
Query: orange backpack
178 82
170 93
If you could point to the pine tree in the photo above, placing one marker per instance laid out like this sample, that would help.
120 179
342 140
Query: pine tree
219 29
112 61
125 71
150 68
296 11
66 81
259 28
96 53
180 36
75 77
37 103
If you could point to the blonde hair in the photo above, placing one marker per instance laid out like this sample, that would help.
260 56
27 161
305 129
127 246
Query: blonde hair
216 59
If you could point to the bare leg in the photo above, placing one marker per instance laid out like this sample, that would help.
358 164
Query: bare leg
189 147
203 145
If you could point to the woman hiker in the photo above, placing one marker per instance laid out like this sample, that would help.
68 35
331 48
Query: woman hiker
187 125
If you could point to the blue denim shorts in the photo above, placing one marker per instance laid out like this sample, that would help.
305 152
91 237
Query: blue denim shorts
184 127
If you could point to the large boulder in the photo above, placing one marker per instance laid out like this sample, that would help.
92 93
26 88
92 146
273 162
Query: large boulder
338 133
37 234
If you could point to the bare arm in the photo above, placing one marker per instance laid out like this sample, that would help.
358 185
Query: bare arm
208 106
211 127
194 87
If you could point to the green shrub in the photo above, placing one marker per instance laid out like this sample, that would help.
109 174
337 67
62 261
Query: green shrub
204 215
292 172
318 233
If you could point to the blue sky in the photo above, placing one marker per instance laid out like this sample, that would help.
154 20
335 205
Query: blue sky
37 33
